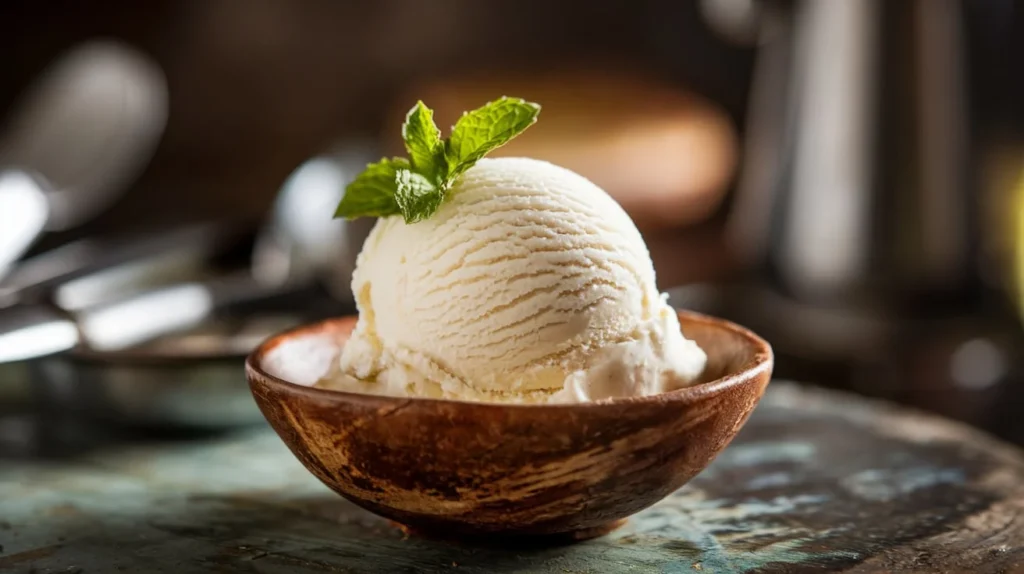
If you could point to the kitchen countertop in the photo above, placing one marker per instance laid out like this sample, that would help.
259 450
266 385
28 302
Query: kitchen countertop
817 481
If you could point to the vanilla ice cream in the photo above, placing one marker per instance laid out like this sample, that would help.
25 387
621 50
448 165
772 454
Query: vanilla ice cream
529 284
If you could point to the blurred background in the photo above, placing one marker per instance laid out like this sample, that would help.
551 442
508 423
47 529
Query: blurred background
844 177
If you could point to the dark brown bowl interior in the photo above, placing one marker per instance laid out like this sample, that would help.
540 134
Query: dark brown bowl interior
478 468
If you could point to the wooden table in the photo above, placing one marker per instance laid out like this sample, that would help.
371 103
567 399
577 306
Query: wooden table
816 482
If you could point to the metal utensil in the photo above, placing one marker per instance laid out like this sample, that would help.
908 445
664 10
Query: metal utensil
301 242
88 126
189 380
80 134
86 272
86 276
29 331
33 331
146 316
23 213
300 245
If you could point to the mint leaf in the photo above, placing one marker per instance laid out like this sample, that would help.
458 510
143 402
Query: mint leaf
418 198
372 193
423 141
417 188
485 129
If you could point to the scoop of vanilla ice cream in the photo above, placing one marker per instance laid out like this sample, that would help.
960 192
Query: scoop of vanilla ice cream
529 284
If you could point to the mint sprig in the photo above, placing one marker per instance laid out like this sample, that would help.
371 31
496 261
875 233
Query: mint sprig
416 187
423 140
417 197
372 193
485 129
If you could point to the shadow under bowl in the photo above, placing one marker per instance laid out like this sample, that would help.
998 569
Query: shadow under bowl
472 469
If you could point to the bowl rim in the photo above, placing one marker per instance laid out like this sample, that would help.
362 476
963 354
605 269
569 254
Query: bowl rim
762 360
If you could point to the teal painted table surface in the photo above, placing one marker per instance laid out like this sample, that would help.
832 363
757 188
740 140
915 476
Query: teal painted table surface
816 482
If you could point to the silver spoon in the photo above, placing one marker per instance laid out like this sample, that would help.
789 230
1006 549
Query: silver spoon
301 241
85 129
23 214
300 244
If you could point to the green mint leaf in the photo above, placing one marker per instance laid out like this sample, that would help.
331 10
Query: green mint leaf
372 193
485 129
423 141
417 188
418 198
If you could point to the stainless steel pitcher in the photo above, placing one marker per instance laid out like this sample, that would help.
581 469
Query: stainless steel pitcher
855 184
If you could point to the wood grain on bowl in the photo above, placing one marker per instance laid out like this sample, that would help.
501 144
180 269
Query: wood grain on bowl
477 468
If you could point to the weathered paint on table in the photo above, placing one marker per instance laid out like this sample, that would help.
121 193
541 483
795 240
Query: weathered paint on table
816 482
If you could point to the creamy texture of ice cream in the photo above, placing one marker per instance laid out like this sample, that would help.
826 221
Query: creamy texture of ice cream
530 284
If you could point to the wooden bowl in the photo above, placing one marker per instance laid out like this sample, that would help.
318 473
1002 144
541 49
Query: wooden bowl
470 469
